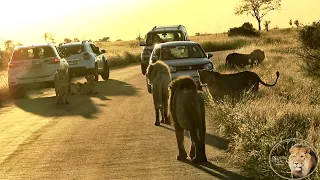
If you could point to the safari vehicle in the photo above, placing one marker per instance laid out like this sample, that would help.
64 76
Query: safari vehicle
160 34
84 58
183 58
32 65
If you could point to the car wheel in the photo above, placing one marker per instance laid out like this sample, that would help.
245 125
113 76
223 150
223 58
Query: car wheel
95 73
144 69
16 92
106 71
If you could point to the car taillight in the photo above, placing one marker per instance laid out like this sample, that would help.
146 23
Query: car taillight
12 65
55 60
86 56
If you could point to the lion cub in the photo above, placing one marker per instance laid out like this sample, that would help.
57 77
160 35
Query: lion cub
61 85
88 87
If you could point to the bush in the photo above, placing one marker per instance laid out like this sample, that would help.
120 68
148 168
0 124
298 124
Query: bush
221 46
245 30
309 37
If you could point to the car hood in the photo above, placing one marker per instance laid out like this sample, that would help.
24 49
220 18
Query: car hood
187 62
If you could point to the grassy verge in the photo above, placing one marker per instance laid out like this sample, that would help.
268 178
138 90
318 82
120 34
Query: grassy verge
291 109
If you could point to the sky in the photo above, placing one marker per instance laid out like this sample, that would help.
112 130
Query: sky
26 21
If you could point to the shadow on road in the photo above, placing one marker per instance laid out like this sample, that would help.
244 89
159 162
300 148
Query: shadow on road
217 171
211 139
83 105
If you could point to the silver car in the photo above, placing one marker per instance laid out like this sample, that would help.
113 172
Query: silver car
183 58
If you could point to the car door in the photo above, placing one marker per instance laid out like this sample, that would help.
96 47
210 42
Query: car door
34 62
99 57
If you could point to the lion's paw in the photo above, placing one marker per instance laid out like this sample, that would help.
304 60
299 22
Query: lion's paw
181 157
157 123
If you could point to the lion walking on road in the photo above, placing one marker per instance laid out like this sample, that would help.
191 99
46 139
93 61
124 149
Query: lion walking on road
158 75
188 113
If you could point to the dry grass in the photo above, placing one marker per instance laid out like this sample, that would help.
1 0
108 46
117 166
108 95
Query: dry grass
291 109
3 86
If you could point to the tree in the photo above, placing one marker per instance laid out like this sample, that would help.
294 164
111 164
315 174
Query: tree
266 25
297 23
105 39
290 22
257 8
67 40
76 40
48 37
9 45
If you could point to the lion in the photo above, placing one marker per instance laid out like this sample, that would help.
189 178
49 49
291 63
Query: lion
233 85
87 87
241 60
302 161
61 85
188 113
159 76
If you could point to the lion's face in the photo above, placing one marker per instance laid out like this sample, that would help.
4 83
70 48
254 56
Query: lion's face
204 75
258 55
90 79
300 160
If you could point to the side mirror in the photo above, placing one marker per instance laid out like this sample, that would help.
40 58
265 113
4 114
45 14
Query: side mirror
143 43
209 55
103 51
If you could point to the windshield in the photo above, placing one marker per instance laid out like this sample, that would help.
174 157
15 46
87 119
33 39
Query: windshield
71 49
161 37
182 52
28 53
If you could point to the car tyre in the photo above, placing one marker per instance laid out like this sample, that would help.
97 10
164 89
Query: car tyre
106 71
16 92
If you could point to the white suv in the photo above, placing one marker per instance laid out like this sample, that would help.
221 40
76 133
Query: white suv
32 65
84 58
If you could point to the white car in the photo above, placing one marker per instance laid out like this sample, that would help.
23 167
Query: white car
32 65
84 58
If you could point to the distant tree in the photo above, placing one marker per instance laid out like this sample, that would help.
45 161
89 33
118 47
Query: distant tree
118 40
198 34
19 44
76 40
9 45
297 23
105 39
139 38
67 40
266 25
48 37
257 8
290 22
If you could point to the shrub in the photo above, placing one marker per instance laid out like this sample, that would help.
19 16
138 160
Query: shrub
245 30
309 37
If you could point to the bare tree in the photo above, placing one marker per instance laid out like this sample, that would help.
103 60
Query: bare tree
9 45
257 8
266 25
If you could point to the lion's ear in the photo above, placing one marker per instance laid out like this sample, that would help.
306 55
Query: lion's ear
308 150
291 149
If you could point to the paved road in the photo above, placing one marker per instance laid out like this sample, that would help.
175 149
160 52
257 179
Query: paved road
107 136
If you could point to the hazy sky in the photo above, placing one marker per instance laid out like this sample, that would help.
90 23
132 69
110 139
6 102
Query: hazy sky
26 21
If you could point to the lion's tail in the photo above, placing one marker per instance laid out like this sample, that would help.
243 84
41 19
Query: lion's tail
269 85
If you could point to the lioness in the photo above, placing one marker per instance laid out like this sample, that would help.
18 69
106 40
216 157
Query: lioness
88 87
75 88
61 85
241 60
233 85
159 76
188 113
302 161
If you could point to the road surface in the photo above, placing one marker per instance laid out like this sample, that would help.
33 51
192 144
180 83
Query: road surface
106 136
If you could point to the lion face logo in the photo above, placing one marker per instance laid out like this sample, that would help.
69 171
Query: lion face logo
301 161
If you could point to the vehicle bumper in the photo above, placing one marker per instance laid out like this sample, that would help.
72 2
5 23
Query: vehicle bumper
31 82
80 71
193 74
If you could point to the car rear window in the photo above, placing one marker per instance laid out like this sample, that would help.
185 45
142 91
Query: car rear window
28 53
161 37
72 49
182 52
